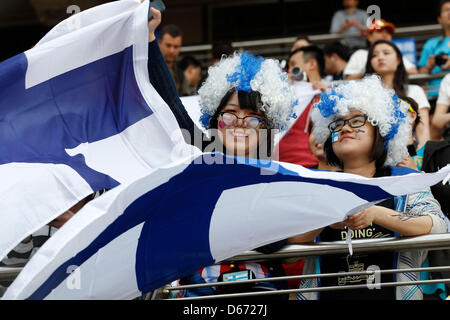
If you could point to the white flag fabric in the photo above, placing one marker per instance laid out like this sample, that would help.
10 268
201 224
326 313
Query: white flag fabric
143 235
304 92
79 115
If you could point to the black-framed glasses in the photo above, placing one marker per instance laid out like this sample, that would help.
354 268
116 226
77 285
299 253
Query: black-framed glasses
230 119
353 122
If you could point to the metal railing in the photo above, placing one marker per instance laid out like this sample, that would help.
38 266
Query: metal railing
427 242
430 242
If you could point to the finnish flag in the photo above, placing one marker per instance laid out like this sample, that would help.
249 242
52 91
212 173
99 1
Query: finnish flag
142 235
78 114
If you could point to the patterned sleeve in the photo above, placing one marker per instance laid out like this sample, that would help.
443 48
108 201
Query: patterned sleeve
423 203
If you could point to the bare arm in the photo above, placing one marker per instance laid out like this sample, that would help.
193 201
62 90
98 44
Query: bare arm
412 70
441 117
423 215
153 24
429 66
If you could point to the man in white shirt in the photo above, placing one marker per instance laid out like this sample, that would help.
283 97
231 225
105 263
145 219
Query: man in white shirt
378 30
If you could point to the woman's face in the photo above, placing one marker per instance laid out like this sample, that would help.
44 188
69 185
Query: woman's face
239 136
354 143
384 59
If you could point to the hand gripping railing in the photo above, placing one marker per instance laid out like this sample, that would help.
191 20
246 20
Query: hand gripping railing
427 242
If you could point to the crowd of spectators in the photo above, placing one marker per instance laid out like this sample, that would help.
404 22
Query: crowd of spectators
363 51
367 49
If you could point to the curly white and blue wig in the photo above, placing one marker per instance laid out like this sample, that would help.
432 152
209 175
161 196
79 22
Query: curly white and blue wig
381 105
246 72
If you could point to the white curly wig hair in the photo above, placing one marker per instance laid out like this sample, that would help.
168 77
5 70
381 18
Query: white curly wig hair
247 72
381 105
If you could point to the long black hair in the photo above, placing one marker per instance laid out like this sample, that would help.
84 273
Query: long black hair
400 76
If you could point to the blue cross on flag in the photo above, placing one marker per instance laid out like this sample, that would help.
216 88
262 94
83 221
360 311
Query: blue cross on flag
78 114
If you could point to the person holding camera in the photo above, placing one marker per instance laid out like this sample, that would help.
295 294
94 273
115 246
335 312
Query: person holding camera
305 64
434 57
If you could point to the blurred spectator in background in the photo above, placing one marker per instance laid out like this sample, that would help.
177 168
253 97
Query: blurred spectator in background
336 56
220 49
192 71
350 21
440 122
317 150
434 56
301 41
170 43
378 30
386 60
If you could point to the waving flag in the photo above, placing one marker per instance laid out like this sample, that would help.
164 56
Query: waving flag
78 114
303 90
141 236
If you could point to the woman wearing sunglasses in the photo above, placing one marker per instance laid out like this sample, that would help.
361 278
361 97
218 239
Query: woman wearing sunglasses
365 130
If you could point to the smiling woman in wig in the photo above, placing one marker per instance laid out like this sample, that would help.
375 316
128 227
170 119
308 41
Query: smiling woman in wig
365 129
243 99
